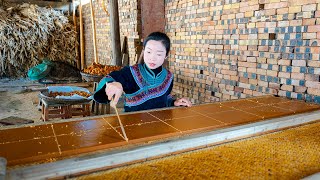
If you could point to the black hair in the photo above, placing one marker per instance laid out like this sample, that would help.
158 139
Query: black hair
159 36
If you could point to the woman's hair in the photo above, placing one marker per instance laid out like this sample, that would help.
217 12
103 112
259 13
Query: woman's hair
159 36
156 36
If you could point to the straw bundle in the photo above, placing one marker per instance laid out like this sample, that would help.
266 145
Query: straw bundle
29 33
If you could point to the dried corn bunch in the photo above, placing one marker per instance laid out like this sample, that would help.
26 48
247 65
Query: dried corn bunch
29 33
101 70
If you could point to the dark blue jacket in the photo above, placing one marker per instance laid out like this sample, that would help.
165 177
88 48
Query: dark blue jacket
143 88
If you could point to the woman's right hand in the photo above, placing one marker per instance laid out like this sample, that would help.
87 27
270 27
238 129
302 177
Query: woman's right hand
114 89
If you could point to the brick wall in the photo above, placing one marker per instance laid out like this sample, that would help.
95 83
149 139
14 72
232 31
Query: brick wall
130 26
234 49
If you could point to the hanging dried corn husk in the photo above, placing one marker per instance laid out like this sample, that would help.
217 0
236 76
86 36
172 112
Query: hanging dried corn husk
29 33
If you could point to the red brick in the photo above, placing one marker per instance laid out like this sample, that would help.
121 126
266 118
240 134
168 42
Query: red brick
252 48
273 91
314 63
243 80
294 9
230 88
251 70
296 22
226 97
261 71
313 84
296 69
260 24
309 35
253 81
274 85
284 62
284 75
263 48
239 15
263 83
273 61
302 2
315 50
261 60
299 63
271 24
234 78
300 89
247 64
276 5
247 91
270 12
309 7
314 28
242 69
243 36
272 73
300 76
311 77
314 91
287 87
308 22
244 85
295 82
238 89
243 48
283 11
229 72
282 93
251 59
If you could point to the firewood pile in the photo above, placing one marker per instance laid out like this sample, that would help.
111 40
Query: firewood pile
29 33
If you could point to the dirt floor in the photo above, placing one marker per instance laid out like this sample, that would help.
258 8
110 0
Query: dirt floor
19 99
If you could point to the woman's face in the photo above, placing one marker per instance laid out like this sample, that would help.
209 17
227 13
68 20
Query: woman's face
154 54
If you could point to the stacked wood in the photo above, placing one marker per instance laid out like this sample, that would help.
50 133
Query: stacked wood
29 33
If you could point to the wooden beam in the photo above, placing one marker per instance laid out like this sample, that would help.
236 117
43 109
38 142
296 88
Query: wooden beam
76 30
95 51
82 65
115 33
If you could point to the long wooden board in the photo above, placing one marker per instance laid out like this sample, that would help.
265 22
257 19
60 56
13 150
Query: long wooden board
113 158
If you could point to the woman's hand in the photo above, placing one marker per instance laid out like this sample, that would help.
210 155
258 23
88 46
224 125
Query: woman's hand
114 89
182 102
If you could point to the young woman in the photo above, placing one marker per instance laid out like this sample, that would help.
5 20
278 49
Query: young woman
146 85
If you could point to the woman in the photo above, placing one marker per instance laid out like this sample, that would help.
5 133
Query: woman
146 85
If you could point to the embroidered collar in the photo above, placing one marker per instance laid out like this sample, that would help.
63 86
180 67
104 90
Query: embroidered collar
143 77
153 72
150 86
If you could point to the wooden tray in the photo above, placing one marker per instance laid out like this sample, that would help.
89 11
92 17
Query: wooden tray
44 95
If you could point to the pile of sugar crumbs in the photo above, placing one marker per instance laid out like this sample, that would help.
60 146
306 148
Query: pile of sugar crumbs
289 154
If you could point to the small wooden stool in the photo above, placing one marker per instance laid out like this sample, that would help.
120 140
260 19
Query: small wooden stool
54 111
79 109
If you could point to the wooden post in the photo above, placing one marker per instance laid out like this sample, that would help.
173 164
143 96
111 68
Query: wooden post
75 29
115 33
82 65
94 34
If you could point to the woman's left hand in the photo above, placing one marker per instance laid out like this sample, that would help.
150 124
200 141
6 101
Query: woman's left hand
182 102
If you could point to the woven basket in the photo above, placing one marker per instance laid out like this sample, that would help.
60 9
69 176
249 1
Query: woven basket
44 95
90 77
